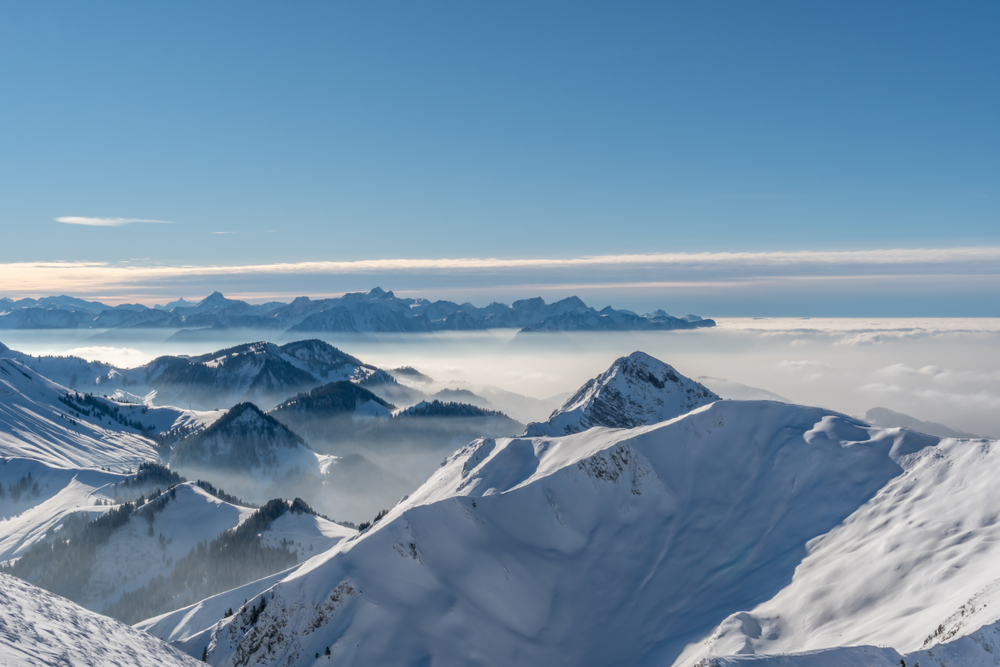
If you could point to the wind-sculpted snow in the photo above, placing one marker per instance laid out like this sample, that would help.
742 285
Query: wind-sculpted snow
636 390
40 629
603 547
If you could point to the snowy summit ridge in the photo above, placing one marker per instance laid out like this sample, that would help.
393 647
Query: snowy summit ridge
637 390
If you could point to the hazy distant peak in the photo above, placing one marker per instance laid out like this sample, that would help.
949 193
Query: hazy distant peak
213 299
179 303
886 418
536 302
335 397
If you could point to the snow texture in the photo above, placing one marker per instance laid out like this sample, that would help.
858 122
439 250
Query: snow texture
36 424
38 629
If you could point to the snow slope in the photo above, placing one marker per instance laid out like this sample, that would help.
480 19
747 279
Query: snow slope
35 424
131 558
603 547
636 390
62 491
40 629
71 372
917 565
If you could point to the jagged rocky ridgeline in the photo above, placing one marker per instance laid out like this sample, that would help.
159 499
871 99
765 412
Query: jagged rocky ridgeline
374 311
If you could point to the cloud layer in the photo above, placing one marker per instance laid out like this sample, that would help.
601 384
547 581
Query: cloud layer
965 281
104 222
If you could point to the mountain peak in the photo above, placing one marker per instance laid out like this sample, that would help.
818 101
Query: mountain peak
636 390
244 439
213 299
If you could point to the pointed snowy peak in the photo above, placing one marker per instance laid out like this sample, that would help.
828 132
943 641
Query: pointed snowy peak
636 390
4 348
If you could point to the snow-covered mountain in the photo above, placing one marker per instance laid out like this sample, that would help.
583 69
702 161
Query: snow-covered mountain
636 390
38 629
334 401
149 556
37 497
373 311
264 373
42 420
246 440
261 372
257 457
602 547
72 372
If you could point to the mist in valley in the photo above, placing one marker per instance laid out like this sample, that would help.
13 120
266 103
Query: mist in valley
940 369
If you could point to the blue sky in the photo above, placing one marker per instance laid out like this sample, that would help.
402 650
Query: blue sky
338 132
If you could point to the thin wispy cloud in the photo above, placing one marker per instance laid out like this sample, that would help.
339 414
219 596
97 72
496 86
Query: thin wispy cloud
106 222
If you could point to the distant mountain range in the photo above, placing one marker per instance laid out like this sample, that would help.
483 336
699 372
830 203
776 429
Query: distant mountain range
377 311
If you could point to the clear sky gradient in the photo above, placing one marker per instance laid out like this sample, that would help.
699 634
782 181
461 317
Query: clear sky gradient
247 134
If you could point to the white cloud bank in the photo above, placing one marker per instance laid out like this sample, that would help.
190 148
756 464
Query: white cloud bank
105 222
